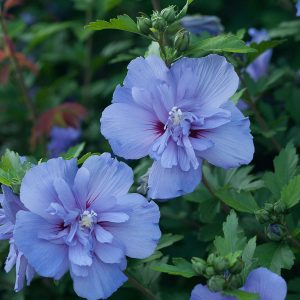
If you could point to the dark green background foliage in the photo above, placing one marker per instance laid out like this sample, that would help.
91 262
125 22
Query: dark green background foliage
84 66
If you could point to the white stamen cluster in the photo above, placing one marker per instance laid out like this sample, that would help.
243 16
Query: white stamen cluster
87 219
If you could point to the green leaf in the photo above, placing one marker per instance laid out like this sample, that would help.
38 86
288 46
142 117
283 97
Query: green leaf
285 168
168 239
247 256
233 239
262 47
84 157
184 10
242 295
181 267
123 22
286 29
237 96
275 256
290 194
219 44
74 151
240 201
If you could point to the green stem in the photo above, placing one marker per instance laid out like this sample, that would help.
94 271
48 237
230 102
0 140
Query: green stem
146 292
19 74
155 4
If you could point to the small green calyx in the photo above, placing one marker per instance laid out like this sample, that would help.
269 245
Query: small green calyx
238 267
158 22
216 283
199 265
182 40
276 232
144 25
169 14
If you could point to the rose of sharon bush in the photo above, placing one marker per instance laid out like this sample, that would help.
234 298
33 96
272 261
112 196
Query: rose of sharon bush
179 116
11 204
261 281
84 220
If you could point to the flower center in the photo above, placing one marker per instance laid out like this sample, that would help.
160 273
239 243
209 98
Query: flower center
87 219
175 115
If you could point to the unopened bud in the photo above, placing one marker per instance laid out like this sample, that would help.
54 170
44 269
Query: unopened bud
269 207
279 207
216 283
199 265
169 14
210 271
158 22
262 216
182 40
144 24
275 232
211 258
220 264
235 282
237 267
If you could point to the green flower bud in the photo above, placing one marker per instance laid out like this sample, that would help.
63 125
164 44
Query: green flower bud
209 271
280 207
235 282
182 40
211 258
169 14
144 24
275 232
158 22
220 264
199 264
269 207
216 283
237 267
262 216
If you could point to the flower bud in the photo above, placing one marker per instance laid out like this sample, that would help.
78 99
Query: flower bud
269 207
237 267
262 216
220 264
158 22
216 283
211 258
279 207
209 271
144 24
182 40
199 264
236 281
275 232
169 14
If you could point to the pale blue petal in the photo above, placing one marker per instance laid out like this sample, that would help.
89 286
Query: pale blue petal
233 142
204 83
37 189
80 255
140 234
48 259
131 130
170 183
267 284
201 292
102 280
102 235
109 253
108 178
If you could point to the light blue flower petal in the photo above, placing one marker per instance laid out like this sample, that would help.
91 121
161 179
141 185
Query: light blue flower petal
166 183
48 259
267 284
37 189
233 143
102 280
201 292
204 83
140 234
131 130
108 178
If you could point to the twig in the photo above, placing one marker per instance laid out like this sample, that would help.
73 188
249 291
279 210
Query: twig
146 292
19 74
155 4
